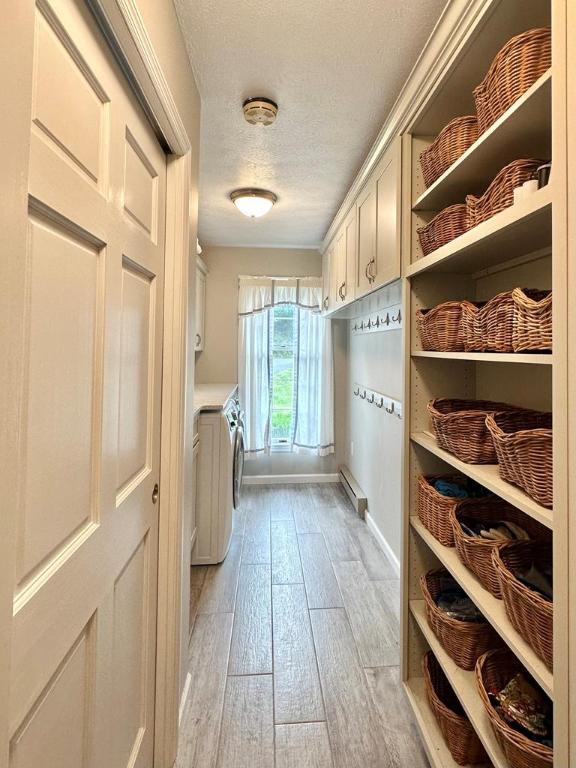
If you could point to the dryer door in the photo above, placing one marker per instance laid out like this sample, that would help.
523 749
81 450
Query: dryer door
238 466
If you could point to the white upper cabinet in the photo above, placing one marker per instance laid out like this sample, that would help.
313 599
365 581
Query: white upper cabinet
201 272
365 251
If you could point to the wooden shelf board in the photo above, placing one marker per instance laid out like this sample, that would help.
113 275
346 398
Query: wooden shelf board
488 476
488 357
492 608
522 228
524 130
436 749
464 685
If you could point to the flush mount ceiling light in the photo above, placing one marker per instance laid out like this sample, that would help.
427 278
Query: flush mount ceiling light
260 111
253 202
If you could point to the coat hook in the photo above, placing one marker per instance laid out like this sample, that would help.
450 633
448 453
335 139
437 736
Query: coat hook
381 403
390 410
363 395
371 398
357 391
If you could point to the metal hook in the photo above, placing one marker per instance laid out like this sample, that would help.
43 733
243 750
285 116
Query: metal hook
381 403
371 398
363 395
390 410
398 317
387 321
357 391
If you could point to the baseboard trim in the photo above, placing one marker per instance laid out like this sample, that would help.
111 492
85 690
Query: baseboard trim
384 546
184 697
331 477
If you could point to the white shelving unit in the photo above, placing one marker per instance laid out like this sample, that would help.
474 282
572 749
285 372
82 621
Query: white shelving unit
517 247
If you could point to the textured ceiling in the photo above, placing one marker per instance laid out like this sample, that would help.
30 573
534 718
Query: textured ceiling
334 67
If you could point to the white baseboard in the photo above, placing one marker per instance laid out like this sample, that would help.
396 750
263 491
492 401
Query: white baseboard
384 546
284 479
184 697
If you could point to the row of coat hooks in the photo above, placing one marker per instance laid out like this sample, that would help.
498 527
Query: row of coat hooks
389 319
372 397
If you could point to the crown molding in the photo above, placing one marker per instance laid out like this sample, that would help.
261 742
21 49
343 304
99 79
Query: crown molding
450 34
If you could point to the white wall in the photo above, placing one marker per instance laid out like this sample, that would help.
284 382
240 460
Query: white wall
371 441
219 360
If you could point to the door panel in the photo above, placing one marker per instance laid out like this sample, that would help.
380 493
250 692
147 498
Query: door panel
136 373
84 627
63 440
63 712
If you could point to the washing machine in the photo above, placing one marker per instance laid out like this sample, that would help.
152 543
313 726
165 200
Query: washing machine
219 481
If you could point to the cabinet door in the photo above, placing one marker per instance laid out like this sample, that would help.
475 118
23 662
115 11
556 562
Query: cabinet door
329 278
325 281
200 308
388 186
366 219
339 268
350 246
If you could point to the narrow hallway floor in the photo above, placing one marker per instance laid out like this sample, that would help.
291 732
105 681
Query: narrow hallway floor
295 648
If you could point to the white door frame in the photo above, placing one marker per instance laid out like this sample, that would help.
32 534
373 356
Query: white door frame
124 29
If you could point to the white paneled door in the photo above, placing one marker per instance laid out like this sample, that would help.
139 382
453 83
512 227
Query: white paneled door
84 626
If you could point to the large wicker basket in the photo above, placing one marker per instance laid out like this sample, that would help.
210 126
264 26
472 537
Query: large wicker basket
523 444
440 327
444 227
512 321
463 641
460 428
500 193
514 69
532 330
494 670
530 614
452 141
459 735
476 552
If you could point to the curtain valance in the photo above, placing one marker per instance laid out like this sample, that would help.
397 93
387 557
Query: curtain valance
258 293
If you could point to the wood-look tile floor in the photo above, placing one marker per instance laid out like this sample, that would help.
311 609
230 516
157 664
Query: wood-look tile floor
295 647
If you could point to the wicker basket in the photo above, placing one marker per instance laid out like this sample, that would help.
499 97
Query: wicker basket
514 69
463 641
460 428
434 508
500 193
523 444
452 141
530 614
494 670
476 552
444 227
532 330
440 327
512 321
459 735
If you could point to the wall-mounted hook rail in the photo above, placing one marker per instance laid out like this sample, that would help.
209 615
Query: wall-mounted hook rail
389 319
391 406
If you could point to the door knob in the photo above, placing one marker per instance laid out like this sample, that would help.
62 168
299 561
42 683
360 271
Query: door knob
155 492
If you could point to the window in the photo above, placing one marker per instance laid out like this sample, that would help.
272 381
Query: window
283 320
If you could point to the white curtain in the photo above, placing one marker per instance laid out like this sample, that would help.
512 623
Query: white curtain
314 431
314 376
254 301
